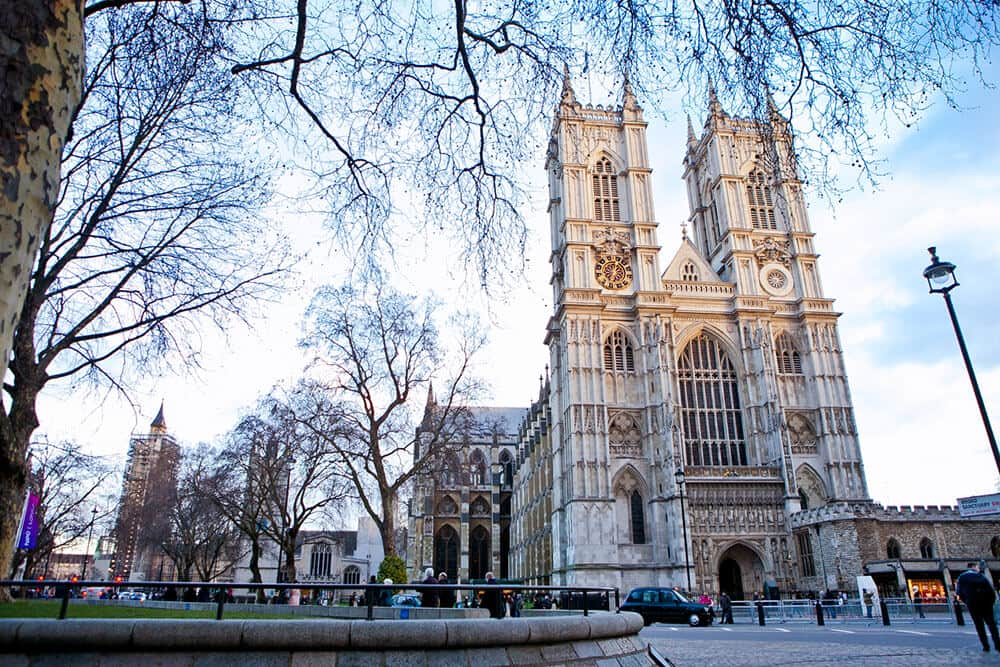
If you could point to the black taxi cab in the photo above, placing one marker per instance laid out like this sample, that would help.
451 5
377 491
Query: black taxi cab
665 605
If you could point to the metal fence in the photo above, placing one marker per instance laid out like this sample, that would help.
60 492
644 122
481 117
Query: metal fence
897 610
223 594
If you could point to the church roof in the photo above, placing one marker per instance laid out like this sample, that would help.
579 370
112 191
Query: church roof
688 253
503 420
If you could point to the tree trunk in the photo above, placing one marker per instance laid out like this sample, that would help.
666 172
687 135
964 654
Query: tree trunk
42 63
289 549
255 576
387 527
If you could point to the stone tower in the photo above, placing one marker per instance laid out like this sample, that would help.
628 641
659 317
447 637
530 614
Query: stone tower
694 410
143 522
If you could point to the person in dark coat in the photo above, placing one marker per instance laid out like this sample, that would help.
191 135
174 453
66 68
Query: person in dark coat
446 596
726 607
918 602
429 597
976 591
493 597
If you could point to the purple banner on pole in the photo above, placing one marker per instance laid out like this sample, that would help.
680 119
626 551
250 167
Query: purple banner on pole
29 527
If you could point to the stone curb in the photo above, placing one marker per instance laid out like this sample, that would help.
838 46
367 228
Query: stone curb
171 635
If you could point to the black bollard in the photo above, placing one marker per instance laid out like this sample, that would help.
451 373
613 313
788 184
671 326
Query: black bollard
760 614
65 603
885 612
220 599
959 618
819 613
370 601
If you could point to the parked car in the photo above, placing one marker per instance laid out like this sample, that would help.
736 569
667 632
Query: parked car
405 600
132 595
665 605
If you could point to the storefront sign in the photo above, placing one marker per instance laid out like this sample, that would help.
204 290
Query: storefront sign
979 505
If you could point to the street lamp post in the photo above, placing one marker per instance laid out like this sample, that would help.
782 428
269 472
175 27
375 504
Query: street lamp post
90 535
679 476
941 280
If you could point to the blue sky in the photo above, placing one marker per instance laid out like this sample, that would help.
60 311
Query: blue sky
922 439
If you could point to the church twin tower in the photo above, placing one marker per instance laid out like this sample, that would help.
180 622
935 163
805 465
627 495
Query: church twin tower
694 409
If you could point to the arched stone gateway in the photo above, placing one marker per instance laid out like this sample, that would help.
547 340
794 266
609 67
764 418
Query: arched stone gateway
741 572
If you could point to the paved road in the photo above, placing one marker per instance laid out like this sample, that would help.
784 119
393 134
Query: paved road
844 645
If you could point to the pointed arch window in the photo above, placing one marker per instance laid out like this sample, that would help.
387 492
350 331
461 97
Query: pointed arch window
638 518
451 472
689 272
788 359
892 549
761 204
446 552
926 548
479 552
477 468
352 574
710 405
618 353
605 185
320 560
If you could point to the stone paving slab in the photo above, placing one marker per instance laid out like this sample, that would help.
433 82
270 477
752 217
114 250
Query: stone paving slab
699 653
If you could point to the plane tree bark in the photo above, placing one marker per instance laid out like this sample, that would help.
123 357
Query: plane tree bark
155 235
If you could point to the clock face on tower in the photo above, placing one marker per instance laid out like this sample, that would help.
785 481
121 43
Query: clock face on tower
613 272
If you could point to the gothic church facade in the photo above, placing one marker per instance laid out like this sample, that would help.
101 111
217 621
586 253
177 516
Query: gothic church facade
690 410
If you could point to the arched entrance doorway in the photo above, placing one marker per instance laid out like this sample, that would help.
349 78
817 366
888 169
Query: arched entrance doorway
731 579
741 572
446 552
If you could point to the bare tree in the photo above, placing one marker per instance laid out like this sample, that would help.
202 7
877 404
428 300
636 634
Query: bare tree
376 353
202 538
292 478
238 486
70 484
435 111
143 251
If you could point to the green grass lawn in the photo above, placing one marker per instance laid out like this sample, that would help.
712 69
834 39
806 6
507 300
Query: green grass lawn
50 609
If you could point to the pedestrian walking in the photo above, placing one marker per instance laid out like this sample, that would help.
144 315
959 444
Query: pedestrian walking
867 598
493 597
726 606
918 602
429 596
977 593
446 596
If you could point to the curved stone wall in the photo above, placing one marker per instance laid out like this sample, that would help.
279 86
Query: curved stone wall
599 639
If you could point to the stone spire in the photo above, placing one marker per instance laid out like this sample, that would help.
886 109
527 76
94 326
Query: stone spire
691 138
568 96
159 424
715 112
628 97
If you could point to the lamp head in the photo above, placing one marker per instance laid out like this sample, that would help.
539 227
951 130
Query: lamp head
940 275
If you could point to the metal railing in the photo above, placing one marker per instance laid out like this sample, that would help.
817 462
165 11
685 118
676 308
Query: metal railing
574 597
900 610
